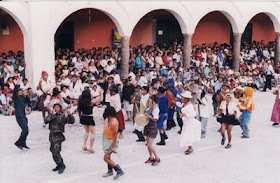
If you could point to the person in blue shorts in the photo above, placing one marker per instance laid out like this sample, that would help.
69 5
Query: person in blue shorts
163 114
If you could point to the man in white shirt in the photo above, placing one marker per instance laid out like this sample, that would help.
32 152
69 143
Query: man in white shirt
266 52
177 56
24 85
109 67
143 80
75 88
269 74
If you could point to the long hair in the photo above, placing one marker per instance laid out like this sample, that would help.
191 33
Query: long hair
109 111
84 99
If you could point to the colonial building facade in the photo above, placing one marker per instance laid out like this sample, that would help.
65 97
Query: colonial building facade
39 21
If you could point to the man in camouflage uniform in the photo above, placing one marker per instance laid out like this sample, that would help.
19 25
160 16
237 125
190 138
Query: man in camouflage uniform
57 121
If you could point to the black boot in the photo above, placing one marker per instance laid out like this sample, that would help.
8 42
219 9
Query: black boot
165 136
119 171
180 131
110 171
61 169
162 140
168 125
140 136
56 168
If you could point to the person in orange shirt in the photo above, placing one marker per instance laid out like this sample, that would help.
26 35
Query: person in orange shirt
246 107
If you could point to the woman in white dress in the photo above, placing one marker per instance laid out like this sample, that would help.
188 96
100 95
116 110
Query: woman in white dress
191 127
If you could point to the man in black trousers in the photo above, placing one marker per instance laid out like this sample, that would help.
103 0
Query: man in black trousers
20 102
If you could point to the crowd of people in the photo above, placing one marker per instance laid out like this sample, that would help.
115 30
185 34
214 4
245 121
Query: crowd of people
157 87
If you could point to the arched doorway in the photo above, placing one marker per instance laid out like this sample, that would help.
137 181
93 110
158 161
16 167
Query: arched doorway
87 35
11 47
213 27
259 28
158 26
86 28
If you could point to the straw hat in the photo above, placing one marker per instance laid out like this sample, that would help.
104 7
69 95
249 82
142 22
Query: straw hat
187 94
141 119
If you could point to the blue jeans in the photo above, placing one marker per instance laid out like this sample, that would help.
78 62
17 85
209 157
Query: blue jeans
244 121
215 107
203 124
23 123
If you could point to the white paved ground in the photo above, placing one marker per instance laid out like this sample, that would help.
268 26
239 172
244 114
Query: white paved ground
254 160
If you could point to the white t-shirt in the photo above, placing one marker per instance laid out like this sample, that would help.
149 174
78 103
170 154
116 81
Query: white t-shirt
203 109
143 81
269 70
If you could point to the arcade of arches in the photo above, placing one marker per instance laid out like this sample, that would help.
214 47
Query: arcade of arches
89 28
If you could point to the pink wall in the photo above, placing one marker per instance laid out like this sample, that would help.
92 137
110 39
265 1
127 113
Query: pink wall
262 28
214 27
142 33
96 32
13 41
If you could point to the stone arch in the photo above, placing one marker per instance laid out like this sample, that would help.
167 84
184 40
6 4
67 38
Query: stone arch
177 15
230 18
16 16
272 16
115 13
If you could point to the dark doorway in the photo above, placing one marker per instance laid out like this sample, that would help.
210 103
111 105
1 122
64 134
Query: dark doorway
64 36
167 30
247 34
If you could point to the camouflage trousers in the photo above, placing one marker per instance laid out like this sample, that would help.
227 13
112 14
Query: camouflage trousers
56 140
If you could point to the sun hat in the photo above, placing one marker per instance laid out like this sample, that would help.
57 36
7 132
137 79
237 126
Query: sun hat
179 83
187 94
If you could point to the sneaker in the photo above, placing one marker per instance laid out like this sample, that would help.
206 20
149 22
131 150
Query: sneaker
244 137
275 124
180 131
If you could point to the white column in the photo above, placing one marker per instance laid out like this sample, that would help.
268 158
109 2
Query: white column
41 45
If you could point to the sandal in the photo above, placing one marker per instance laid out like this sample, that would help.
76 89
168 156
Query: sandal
156 162
150 160
84 148
223 141
228 146
188 152
90 151
120 136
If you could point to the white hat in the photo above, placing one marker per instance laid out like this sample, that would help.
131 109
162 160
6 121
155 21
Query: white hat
179 84
85 85
164 67
242 80
187 94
